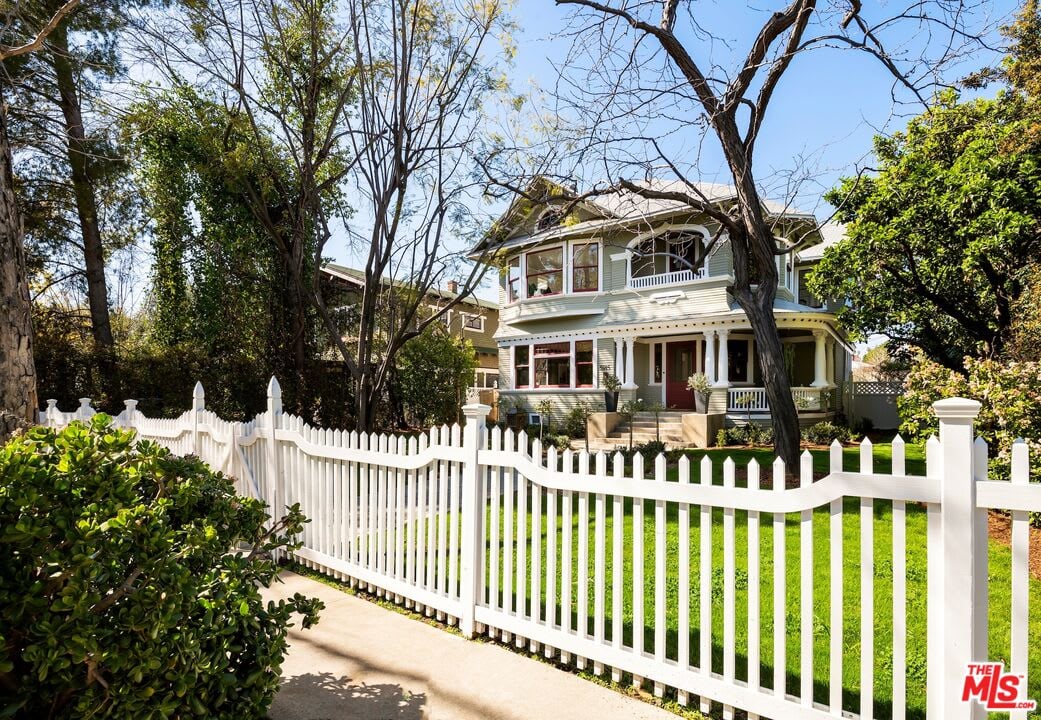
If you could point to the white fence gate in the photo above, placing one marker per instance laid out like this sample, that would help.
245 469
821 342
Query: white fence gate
675 581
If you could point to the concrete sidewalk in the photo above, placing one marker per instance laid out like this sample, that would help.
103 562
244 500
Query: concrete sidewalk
366 663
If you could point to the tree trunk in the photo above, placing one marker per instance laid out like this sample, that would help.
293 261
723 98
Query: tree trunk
87 210
783 414
754 251
18 404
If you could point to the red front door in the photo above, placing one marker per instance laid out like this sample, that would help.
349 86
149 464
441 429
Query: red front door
680 364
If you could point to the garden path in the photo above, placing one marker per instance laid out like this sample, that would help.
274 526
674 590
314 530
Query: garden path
364 662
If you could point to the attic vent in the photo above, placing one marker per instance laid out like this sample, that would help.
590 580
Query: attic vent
550 217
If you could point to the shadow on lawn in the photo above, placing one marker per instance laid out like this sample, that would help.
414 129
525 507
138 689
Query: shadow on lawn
323 696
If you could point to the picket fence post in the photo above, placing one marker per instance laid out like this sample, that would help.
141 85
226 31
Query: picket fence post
273 471
198 405
129 413
960 628
84 411
52 413
473 515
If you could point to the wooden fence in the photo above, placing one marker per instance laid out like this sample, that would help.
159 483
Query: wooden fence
672 580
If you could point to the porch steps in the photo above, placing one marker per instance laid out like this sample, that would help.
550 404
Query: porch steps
668 428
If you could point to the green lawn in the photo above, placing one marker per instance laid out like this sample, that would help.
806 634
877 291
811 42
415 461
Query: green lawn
882 631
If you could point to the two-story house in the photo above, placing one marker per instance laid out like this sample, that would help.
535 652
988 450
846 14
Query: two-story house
636 288
472 318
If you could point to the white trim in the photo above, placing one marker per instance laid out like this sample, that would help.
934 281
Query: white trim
663 230
573 368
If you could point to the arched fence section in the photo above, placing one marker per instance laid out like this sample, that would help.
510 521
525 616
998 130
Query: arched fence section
779 594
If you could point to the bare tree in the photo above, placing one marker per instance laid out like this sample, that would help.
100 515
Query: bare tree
643 95
425 73
18 403
376 120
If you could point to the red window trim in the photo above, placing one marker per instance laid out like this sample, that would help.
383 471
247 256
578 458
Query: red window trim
575 266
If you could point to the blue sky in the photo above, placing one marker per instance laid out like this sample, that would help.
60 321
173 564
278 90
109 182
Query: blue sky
824 113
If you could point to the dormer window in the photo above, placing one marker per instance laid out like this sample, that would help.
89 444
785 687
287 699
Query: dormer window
550 218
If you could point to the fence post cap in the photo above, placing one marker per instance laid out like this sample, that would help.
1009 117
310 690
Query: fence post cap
84 402
52 403
956 408
197 392
130 404
476 410
274 390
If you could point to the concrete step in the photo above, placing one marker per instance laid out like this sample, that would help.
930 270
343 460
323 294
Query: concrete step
639 437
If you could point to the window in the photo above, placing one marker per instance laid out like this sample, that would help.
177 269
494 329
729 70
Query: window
473 322
521 366
805 296
545 272
584 363
657 351
513 280
553 365
684 249
585 268
550 217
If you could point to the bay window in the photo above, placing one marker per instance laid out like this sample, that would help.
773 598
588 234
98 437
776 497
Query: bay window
545 272
521 367
568 364
584 363
585 268
513 280
553 365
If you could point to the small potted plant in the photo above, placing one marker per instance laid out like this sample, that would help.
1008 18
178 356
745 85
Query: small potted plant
699 384
611 385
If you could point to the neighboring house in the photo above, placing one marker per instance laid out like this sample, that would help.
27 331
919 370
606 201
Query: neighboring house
608 288
473 319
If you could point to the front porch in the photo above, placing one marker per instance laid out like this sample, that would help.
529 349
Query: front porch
656 369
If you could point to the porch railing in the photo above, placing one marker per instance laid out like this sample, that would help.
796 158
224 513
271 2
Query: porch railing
753 399
668 278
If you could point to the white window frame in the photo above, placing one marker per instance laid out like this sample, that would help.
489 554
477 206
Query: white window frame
570 262
573 386
650 363
565 285
664 230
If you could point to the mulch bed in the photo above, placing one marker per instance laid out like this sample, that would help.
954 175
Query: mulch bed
999 527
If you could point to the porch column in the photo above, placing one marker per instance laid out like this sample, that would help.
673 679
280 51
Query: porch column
819 373
724 360
710 355
830 363
630 365
618 369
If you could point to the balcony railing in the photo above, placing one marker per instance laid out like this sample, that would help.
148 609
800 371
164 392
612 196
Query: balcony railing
753 399
670 278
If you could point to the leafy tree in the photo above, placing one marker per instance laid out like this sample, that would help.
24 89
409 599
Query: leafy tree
937 241
432 374
18 403
75 185
131 582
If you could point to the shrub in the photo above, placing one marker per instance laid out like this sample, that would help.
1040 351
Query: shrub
825 433
130 582
560 442
649 450
1010 394
751 435
575 421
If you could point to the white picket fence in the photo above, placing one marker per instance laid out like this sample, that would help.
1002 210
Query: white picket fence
586 560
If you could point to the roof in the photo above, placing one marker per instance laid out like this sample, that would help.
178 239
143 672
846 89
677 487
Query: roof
357 277
621 206
832 233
